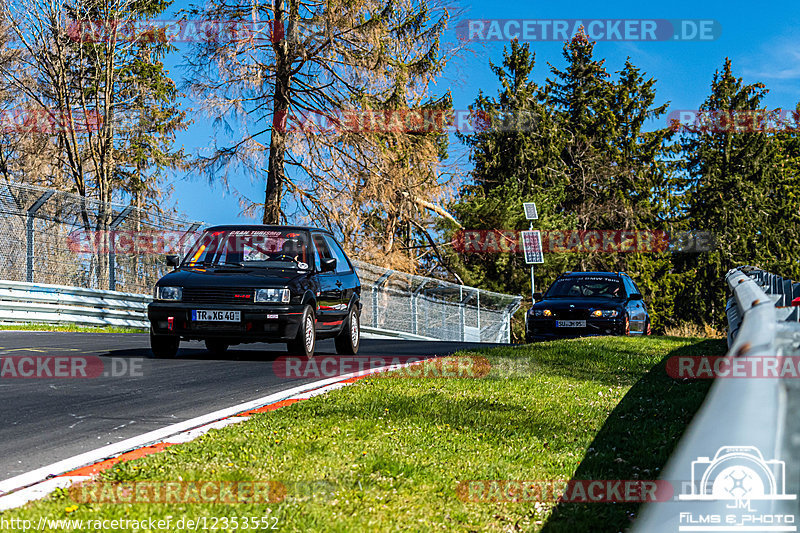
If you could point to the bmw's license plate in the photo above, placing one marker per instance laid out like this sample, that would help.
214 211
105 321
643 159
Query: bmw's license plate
216 316
570 323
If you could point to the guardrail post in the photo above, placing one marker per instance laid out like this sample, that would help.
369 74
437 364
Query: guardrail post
29 234
112 254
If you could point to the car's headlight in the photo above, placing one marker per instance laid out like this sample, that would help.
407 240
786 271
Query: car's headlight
169 293
547 312
272 295
605 313
536 312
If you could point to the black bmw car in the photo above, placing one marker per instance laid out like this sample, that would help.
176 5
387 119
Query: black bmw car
588 303
241 284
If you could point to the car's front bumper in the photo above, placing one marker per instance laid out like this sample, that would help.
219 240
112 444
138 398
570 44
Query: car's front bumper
539 328
259 323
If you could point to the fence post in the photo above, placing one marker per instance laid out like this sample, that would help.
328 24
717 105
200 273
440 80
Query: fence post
415 307
375 287
29 234
112 254
480 336
461 317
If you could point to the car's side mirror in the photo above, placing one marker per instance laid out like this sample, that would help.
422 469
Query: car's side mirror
173 260
635 297
328 265
538 297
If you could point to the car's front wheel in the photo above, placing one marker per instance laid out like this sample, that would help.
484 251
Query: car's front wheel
216 347
349 339
306 339
164 346
626 326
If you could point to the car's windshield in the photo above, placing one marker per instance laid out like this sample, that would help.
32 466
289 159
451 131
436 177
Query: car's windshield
251 248
586 287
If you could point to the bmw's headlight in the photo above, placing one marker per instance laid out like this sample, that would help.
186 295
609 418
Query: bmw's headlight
605 313
169 293
272 296
536 312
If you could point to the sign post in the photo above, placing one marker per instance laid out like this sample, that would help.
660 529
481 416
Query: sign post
532 244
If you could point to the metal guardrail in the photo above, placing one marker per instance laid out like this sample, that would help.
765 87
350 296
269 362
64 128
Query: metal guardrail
59 304
741 419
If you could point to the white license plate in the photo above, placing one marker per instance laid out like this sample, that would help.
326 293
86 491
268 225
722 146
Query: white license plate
570 323
216 316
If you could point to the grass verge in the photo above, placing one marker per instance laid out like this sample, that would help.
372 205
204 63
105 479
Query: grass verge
387 454
70 328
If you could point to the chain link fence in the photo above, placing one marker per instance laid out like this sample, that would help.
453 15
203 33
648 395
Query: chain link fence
54 237
397 301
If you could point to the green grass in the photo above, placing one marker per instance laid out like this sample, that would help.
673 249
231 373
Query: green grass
387 454
70 328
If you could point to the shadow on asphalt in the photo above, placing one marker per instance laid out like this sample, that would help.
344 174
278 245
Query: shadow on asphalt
195 350
635 442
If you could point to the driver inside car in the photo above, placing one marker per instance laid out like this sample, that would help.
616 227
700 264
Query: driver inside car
293 249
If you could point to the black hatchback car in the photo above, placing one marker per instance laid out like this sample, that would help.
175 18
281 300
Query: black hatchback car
588 303
248 283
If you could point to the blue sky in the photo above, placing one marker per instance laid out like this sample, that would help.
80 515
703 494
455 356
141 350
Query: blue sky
762 40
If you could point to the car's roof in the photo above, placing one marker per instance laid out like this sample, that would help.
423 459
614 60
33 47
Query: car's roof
262 227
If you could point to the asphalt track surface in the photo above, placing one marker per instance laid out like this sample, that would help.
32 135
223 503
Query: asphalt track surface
44 420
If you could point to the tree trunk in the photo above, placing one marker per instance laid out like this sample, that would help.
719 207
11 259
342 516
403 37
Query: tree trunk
280 108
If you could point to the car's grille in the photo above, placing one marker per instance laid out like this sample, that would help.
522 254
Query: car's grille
218 295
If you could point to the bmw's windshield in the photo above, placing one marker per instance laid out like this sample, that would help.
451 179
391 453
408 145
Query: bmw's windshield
251 248
586 287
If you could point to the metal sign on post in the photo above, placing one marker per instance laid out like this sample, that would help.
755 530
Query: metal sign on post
532 243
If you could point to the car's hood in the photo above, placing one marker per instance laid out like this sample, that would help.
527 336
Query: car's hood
230 277
579 303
